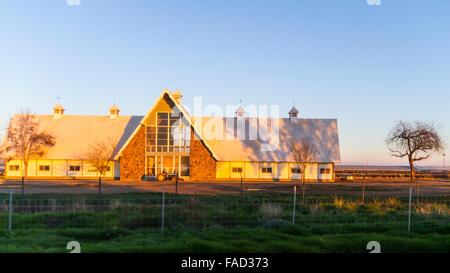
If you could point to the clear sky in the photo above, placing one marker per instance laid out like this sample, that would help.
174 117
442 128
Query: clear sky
365 65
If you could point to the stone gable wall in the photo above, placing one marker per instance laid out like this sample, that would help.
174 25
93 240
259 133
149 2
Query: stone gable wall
132 161
203 165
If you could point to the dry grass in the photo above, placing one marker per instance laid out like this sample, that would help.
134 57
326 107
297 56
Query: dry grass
338 202
269 210
392 203
429 209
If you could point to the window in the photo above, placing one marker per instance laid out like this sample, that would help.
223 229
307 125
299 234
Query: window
185 166
14 167
266 170
163 119
44 168
74 168
296 170
170 135
237 170
325 170
92 169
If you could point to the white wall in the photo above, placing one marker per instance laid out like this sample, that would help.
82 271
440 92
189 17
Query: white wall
323 176
222 169
13 172
59 168
237 165
251 170
282 171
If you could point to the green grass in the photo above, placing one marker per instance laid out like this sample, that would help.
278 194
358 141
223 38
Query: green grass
222 223
221 240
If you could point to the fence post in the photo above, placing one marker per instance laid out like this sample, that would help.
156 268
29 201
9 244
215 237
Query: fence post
409 212
10 210
241 187
293 209
176 187
162 215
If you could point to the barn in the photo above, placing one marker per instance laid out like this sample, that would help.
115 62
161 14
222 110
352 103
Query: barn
197 148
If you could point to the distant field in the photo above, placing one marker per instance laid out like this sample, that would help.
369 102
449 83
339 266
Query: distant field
223 223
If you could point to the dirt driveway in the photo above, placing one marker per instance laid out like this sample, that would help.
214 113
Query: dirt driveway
373 187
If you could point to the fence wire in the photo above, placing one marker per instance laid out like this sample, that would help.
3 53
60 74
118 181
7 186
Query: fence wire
314 215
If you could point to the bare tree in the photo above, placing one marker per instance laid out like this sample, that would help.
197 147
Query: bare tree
24 140
100 156
303 152
415 141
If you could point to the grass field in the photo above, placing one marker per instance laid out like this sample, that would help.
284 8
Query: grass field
223 223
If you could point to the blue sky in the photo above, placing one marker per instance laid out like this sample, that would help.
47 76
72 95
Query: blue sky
365 65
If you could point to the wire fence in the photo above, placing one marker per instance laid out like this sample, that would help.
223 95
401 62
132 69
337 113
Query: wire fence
162 212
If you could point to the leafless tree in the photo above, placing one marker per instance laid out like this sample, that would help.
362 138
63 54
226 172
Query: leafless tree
25 140
415 141
100 156
303 152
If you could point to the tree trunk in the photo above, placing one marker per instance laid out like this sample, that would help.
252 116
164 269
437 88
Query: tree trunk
99 190
411 166
24 174
413 179
100 185
23 193
303 188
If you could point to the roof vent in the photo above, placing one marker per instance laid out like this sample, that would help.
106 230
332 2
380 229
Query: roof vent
293 114
240 112
58 111
177 95
114 111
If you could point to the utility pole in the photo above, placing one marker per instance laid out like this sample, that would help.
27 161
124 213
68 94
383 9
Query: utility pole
443 160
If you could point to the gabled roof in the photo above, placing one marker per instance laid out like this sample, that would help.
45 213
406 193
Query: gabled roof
74 133
58 107
180 108
114 107
293 110
323 133
240 111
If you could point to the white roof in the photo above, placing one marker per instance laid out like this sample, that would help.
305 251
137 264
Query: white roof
74 133
323 133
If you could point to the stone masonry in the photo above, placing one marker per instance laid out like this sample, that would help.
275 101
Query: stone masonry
132 161
203 165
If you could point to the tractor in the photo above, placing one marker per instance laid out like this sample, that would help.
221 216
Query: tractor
162 177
